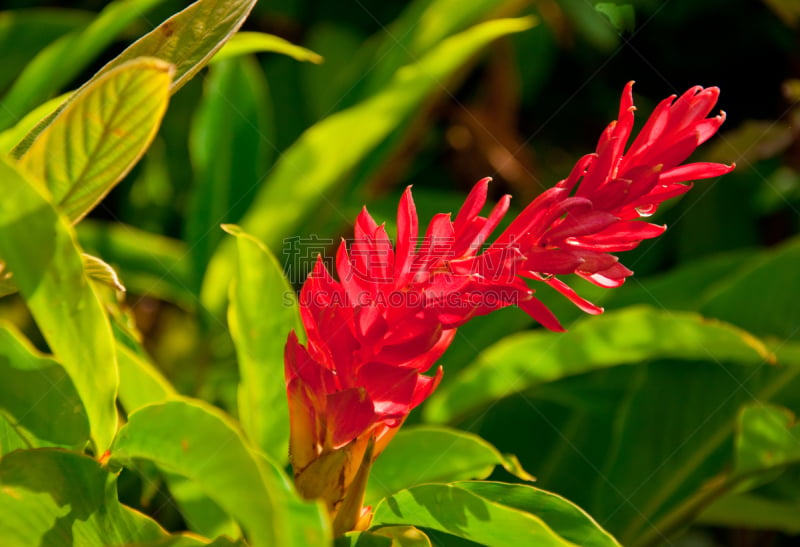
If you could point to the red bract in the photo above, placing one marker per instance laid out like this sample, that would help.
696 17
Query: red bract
395 309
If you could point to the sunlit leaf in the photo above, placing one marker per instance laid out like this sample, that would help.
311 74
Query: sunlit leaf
101 133
260 337
187 40
496 515
210 451
23 33
244 43
424 454
754 512
521 361
40 250
53 498
761 296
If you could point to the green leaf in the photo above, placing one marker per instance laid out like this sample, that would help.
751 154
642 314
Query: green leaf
754 512
200 513
150 264
768 438
761 296
37 396
40 250
570 521
12 136
140 382
64 59
231 146
521 361
101 133
493 516
327 153
260 337
425 454
244 43
190 38
53 498
387 536
23 33
210 451
187 40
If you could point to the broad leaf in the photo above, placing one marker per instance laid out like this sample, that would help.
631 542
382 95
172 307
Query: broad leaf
425 454
12 136
387 536
141 383
186 40
524 360
327 153
570 521
762 295
495 515
37 396
211 452
263 310
64 59
40 250
101 133
190 38
53 498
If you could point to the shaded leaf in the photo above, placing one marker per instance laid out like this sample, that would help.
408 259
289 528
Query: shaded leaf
424 454
37 396
325 154
141 383
186 40
53 498
570 521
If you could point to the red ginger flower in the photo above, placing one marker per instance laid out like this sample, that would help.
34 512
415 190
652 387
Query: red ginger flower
394 311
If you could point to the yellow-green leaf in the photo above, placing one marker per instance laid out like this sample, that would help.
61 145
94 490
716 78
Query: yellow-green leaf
40 249
244 43
101 133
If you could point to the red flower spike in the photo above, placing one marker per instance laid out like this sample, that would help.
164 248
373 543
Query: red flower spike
394 311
